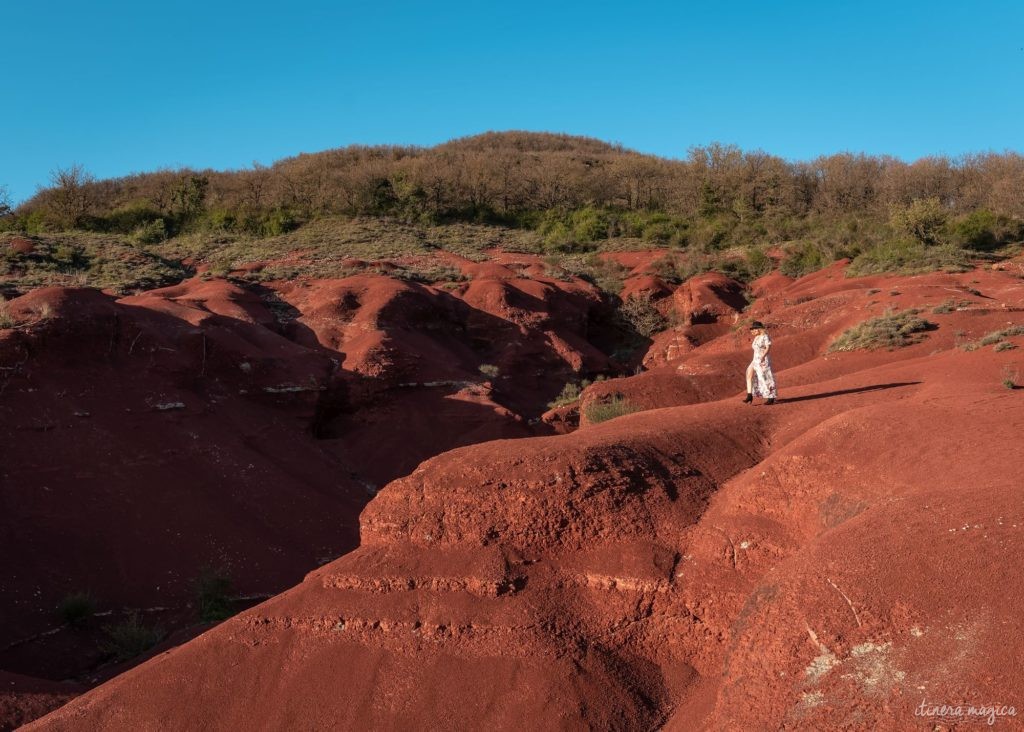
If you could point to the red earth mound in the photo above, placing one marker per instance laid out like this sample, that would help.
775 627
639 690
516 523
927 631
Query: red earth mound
840 560
214 426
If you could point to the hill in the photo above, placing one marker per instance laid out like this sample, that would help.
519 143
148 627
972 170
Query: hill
564 194
827 562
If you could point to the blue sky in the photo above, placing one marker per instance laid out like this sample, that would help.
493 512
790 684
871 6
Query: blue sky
122 87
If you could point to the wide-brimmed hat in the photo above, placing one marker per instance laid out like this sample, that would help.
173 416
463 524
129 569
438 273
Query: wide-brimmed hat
757 325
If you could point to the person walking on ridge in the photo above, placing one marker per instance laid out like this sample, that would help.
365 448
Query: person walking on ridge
760 378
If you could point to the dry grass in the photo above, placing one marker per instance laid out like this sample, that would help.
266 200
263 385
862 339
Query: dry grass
892 330
603 411
319 248
82 259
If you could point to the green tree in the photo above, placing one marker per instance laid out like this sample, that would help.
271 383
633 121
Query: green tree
189 196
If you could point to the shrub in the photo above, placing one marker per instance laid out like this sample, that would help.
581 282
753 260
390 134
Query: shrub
606 275
949 306
489 370
130 638
212 589
666 269
908 257
152 233
128 219
712 234
758 263
639 312
276 222
76 609
574 230
6 319
998 335
892 330
804 258
570 393
1004 346
557 236
923 219
603 411
983 230
219 220
589 224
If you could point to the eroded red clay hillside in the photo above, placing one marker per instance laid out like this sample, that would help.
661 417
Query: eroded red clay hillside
826 563
241 429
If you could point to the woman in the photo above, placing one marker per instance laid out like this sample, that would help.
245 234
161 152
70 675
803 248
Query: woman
760 379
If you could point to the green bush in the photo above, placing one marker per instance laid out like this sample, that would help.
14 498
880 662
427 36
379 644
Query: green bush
76 609
219 219
923 220
892 330
213 587
130 638
276 222
603 411
983 230
128 219
152 233
803 258
709 235
589 224
758 263
908 257
570 393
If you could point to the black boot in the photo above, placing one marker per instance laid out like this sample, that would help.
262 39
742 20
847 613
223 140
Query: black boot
769 402
748 398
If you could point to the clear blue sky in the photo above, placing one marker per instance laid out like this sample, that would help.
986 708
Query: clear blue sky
123 87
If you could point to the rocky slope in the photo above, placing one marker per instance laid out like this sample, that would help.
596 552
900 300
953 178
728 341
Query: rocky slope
826 563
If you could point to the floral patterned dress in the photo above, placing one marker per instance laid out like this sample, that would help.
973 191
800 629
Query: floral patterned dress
764 379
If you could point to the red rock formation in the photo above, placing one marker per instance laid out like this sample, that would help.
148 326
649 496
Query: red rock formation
211 424
826 563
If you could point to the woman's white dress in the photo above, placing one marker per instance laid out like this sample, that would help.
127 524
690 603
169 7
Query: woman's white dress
764 379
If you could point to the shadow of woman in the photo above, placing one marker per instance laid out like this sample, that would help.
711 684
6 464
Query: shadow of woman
858 390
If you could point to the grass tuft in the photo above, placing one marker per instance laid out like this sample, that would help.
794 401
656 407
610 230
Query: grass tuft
892 330
130 638
603 411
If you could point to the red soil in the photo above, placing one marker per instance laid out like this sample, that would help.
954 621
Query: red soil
825 563
242 428
23 698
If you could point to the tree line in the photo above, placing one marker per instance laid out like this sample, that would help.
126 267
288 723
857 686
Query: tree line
573 189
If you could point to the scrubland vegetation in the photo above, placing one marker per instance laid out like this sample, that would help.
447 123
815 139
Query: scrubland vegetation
566 196
892 330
